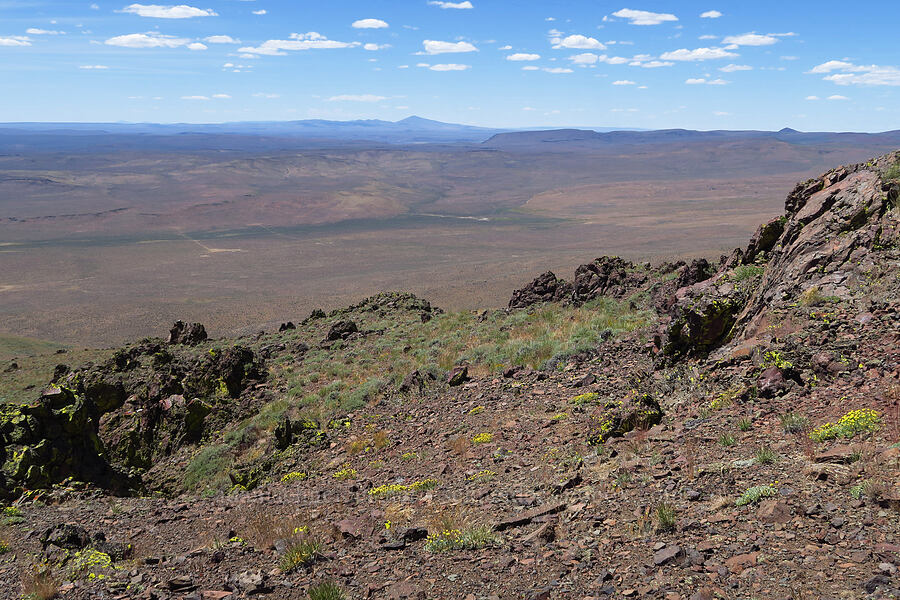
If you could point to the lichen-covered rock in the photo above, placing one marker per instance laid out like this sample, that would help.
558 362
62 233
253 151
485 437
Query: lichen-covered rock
616 418
764 240
704 315
545 288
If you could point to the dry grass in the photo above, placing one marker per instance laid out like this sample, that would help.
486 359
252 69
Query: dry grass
459 445
39 584
262 527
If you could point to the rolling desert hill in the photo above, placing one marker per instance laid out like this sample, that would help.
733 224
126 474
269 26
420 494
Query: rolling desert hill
111 231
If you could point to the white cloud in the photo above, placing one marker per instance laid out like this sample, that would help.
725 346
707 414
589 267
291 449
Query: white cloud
586 58
261 12
577 42
465 4
450 67
732 68
372 47
436 47
93 67
851 74
95 6
722 113
519 56
266 96
703 81
708 37
652 64
195 97
221 39
158 11
299 41
221 96
369 24
531 68
624 82
838 97
557 70
697 54
528 108
197 46
147 40
643 17
710 14
36 31
813 98
16 40
357 98
750 39
506 47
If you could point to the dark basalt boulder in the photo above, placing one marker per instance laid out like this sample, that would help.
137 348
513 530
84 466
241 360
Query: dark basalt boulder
188 334
341 330
605 276
545 288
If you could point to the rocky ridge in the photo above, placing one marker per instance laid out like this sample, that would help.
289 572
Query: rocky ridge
746 444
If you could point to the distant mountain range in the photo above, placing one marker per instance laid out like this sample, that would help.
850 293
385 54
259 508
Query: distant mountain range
292 135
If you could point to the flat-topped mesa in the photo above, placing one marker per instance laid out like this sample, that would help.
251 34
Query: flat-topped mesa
836 230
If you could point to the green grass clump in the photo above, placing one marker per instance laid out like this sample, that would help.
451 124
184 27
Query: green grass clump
208 468
856 421
326 591
456 539
665 517
793 423
727 440
745 424
755 494
745 272
301 554
765 455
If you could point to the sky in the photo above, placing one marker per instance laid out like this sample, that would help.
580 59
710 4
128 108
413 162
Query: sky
812 66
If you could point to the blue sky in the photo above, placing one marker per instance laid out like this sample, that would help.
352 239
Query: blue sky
708 65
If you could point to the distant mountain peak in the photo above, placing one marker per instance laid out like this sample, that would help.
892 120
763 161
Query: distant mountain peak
788 130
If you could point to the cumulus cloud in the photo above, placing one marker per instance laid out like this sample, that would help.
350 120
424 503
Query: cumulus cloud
357 98
437 47
812 98
520 56
372 47
16 40
147 40
261 12
298 41
195 97
732 68
577 42
196 46
221 39
465 4
158 11
750 39
643 17
531 68
652 64
36 31
684 54
221 96
838 97
710 14
846 73
369 24
624 82
704 81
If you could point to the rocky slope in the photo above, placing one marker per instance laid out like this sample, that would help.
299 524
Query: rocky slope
745 443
